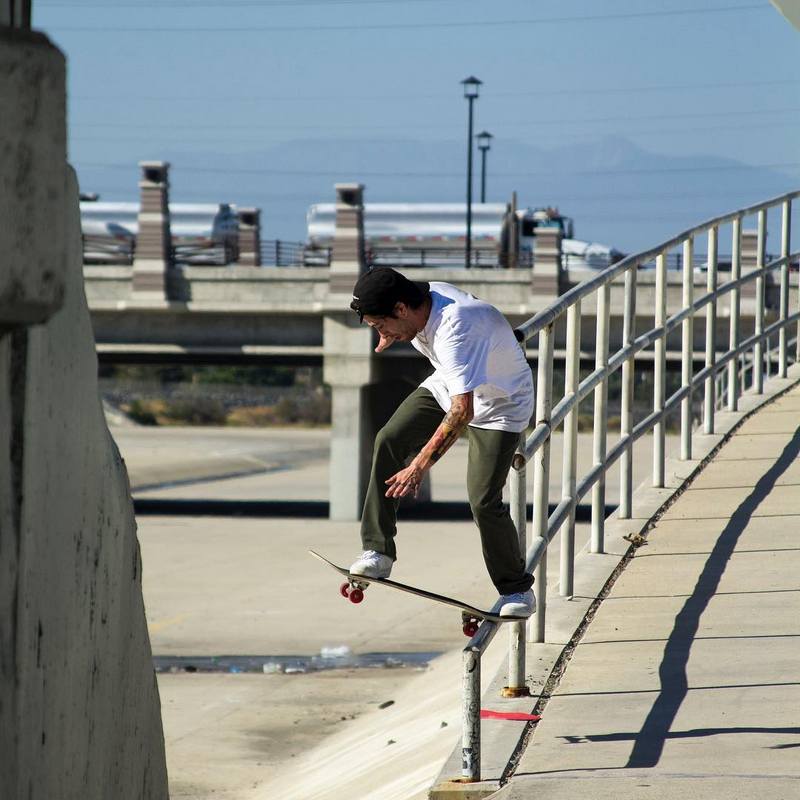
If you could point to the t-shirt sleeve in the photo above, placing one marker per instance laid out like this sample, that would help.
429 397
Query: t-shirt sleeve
463 353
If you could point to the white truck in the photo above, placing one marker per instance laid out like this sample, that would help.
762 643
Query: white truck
202 233
434 235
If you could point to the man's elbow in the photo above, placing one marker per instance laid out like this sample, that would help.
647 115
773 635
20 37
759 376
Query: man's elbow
466 408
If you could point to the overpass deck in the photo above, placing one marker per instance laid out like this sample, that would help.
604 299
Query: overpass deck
686 682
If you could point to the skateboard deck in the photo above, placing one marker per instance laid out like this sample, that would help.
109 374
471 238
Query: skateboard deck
359 582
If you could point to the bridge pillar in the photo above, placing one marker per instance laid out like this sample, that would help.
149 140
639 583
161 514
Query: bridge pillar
250 237
153 257
348 360
348 370
749 249
750 263
546 275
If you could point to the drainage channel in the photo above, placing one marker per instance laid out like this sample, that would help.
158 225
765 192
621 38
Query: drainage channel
445 510
328 658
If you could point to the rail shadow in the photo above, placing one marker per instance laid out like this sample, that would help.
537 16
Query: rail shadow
691 733
650 740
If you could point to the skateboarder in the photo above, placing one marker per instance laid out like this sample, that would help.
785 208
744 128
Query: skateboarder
481 384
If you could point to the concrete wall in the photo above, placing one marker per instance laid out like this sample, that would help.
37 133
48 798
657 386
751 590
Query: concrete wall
282 289
79 706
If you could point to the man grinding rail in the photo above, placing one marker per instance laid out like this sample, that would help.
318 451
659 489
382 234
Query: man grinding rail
482 384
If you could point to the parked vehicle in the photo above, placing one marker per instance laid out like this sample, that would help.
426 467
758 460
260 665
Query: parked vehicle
202 233
433 234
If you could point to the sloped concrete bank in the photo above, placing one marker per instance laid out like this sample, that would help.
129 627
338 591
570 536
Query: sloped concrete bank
79 706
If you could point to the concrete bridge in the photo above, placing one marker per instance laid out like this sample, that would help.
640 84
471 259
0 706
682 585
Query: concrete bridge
154 311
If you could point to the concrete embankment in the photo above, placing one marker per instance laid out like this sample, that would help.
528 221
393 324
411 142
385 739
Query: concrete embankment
79 706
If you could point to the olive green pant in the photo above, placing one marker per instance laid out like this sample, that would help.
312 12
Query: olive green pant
490 454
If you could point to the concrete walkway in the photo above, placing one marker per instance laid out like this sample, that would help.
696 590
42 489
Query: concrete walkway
687 681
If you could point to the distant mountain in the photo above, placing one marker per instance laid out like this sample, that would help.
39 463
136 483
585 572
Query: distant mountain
617 192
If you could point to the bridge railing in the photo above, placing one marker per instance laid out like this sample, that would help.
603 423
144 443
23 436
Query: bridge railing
556 409
121 251
404 256
282 253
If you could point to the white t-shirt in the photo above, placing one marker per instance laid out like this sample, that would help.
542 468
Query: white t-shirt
473 349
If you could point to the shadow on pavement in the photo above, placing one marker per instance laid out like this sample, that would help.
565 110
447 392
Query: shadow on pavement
649 741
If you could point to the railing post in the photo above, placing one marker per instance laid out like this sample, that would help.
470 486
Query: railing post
711 333
758 347
735 294
786 233
600 433
626 411
687 350
541 474
570 459
767 353
517 630
659 370
471 723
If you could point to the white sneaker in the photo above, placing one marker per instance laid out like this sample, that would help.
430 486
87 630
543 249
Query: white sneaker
519 604
372 564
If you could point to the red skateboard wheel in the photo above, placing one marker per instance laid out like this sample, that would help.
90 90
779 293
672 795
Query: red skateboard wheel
344 590
356 595
470 629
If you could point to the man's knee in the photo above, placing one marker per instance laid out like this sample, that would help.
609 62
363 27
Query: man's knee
388 443
384 438
486 508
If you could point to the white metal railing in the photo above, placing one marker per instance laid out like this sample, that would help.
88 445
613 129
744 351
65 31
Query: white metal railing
725 370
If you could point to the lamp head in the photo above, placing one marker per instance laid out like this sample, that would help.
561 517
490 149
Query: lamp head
471 87
484 140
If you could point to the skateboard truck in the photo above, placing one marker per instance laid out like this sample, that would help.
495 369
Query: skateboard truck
353 590
470 624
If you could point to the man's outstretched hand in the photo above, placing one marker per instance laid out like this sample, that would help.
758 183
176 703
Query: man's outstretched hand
406 482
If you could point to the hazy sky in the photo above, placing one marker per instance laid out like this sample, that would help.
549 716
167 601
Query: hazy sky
715 77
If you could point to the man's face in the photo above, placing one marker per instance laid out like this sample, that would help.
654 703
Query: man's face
399 328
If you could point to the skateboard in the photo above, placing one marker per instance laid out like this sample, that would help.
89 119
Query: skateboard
471 617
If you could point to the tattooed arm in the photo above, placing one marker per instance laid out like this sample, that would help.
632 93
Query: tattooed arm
408 480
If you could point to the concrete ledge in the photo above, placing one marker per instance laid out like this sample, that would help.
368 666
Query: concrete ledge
502 743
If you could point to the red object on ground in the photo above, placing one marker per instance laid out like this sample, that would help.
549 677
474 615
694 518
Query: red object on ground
489 714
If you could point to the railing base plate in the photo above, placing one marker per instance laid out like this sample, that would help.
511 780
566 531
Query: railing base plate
515 691
461 789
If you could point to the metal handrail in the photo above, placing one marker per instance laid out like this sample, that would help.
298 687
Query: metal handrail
548 315
721 375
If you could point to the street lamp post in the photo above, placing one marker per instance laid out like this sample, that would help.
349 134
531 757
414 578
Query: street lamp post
484 143
471 86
